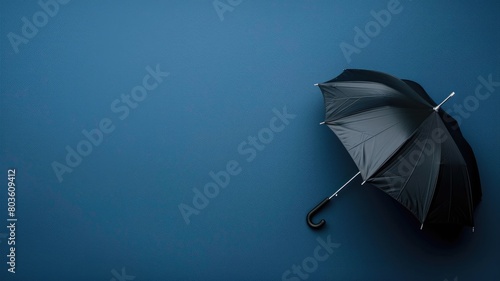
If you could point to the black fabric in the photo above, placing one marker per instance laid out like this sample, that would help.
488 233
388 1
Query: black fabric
402 146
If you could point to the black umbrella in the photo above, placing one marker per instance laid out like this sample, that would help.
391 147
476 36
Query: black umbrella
404 144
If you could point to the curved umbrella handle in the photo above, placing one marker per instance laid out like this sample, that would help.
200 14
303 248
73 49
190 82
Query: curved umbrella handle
314 211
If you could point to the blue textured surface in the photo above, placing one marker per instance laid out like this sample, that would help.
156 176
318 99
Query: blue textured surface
117 215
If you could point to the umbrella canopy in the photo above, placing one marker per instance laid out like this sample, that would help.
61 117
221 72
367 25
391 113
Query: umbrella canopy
404 144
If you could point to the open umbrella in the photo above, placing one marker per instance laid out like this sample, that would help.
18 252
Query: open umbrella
404 144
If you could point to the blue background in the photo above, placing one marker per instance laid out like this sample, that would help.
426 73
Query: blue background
119 208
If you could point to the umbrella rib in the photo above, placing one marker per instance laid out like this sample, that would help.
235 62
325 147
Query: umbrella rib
347 99
430 184
362 112
347 107
357 97
471 200
344 102
372 136
450 196
356 100
412 172
416 98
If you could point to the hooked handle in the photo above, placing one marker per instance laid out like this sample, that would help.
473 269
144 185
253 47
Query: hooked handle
314 211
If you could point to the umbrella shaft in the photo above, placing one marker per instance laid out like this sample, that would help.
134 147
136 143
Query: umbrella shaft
439 105
335 194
